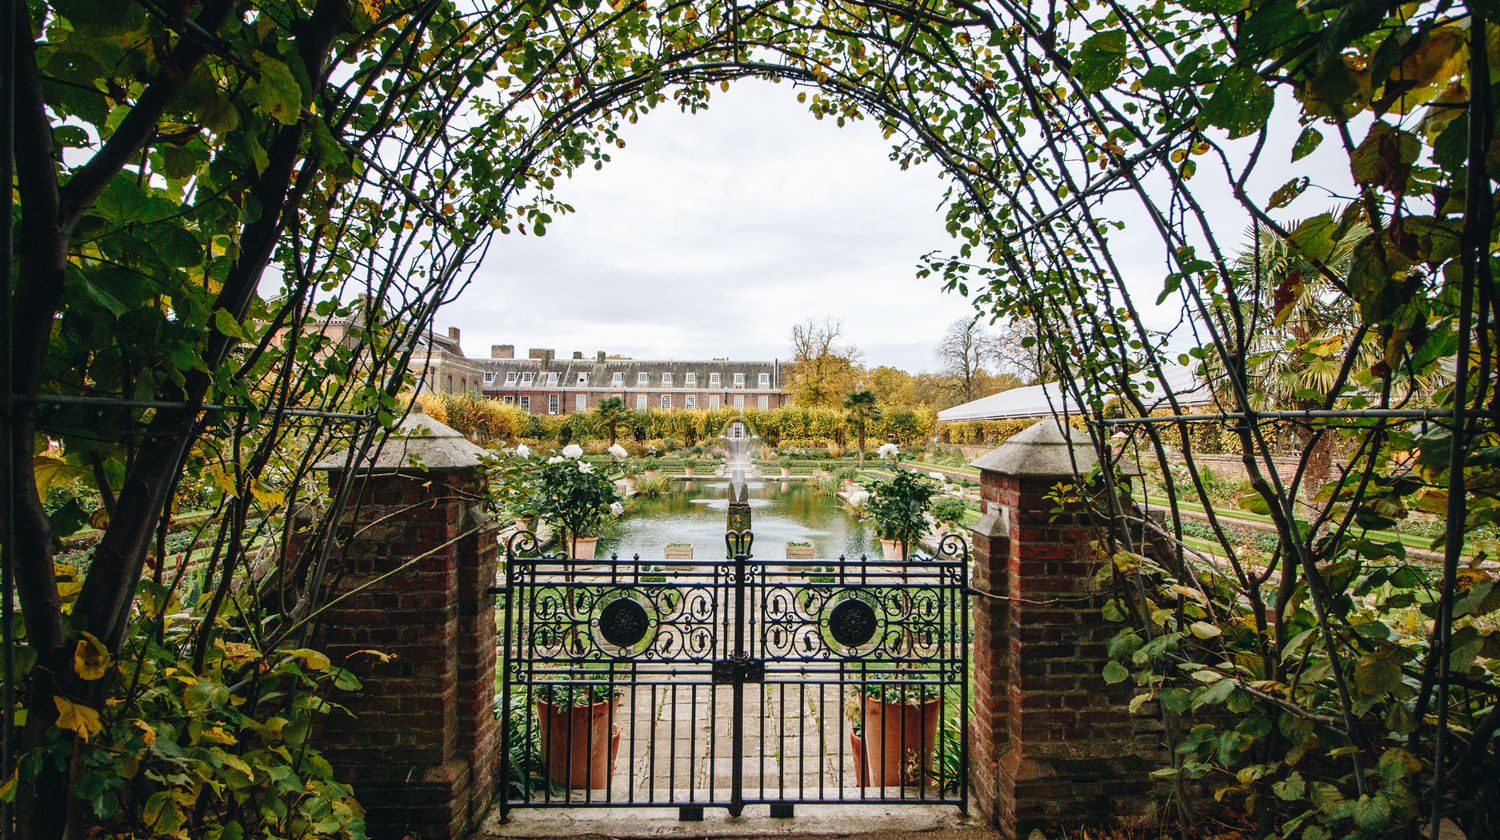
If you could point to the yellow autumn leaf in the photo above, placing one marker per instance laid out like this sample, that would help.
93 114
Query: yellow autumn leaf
76 717
378 654
8 789
99 519
91 658
148 732
238 652
311 658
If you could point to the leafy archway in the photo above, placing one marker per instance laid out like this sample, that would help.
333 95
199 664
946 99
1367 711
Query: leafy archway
167 158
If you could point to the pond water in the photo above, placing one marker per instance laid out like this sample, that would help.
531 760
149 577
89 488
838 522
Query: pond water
781 512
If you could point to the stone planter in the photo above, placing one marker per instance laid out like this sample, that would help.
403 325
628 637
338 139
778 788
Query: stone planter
579 743
901 740
799 552
583 547
678 551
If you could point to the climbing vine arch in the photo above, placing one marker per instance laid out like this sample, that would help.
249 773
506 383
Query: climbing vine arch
371 150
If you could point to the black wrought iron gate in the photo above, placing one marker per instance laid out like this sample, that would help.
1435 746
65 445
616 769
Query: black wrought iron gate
733 682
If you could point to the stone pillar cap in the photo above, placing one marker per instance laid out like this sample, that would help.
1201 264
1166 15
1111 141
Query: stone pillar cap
1043 449
418 442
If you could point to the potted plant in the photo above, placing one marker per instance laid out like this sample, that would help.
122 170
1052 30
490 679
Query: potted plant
579 738
785 461
898 508
894 729
799 550
575 498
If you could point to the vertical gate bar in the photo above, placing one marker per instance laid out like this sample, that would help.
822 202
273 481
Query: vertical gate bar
672 749
737 771
693 745
962 598
635 710
505 688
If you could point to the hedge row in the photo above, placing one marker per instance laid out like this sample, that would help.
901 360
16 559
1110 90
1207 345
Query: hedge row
486 420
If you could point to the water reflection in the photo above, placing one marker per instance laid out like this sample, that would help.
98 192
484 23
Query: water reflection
783 512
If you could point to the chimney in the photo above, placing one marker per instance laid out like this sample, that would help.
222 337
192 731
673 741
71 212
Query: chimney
599 357
577 354
453 333
541 354
502 351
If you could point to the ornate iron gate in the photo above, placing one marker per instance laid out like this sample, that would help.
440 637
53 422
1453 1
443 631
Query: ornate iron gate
735 682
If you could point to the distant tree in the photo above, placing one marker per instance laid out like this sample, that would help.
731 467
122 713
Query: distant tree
1019 353
892 386
823 368
963 356
612 412
862 409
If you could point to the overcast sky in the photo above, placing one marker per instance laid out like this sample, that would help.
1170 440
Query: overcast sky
710 235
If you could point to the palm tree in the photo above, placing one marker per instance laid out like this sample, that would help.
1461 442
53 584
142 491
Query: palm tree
1298 333
862 409
612 412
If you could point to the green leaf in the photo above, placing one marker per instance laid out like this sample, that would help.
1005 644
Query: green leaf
226 324
1100 58
1204 630
1371 813
1307 141
276 92
1384 157
1291 788
1114 673
1376 675
1288 192
1314 237
1241 103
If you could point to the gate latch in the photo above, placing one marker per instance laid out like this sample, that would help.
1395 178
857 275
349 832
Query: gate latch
739 669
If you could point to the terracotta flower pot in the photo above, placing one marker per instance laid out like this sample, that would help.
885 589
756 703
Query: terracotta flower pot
523 523
579 743
583 547
891 549
687 472
901 740
786 472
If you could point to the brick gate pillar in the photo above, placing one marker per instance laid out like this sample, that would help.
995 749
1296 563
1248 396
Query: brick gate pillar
417 553
1051 743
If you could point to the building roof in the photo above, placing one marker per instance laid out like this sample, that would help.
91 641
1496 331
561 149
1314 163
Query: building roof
1048 398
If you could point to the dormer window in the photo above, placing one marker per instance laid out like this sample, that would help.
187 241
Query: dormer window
690 379
583 379
739 380
643 378
552 378
489 377
510 378
666 380
617 379
714 381
765 380
527 378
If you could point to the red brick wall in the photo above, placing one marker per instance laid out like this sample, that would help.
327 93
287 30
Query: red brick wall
421 745
1053 744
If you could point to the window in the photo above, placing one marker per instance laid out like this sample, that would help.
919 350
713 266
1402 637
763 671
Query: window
527 378
714 381
640 402
489 377
765 380
510 377
690 401
554 400
690 379
739 401
713 401
552 378
450 383
666 380
581 402
508 399
739 380
666 402
617 379
583 379
524 402
762 402
620 397
643 378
